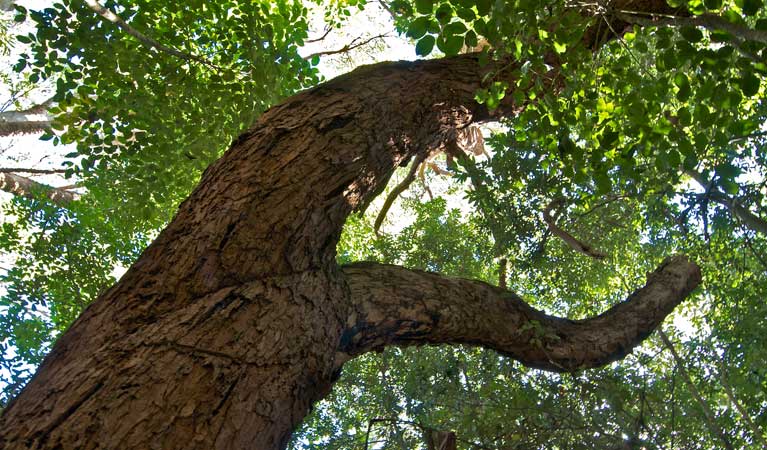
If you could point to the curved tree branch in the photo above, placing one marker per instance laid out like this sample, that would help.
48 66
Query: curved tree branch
398 306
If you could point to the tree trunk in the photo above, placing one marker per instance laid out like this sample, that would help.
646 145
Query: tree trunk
236 319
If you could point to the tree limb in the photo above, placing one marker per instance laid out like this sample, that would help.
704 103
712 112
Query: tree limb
711 22
23 122
28 188
570 240
398 306
758 435
149 42
30 170
749 219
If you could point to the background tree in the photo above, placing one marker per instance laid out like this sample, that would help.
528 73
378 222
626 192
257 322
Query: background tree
613 133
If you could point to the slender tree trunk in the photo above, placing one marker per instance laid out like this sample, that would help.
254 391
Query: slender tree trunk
236 319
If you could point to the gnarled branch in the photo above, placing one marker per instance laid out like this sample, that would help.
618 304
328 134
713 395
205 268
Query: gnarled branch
398 306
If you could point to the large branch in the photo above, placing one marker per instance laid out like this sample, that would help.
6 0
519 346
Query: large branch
28 188
398 306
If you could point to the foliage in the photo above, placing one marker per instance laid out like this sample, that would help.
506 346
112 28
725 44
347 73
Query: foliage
145 124
648 138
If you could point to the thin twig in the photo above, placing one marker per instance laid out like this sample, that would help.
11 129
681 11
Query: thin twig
731 395
348 47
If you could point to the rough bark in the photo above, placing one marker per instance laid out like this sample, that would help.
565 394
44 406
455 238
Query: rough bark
236 318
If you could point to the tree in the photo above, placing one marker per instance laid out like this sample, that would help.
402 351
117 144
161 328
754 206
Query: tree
241 302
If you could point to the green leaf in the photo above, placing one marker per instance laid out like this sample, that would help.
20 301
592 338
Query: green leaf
691 34
471 39
751 7
749 84
466 14
450 44
454 29
484 6
425 45
418 27
713 4
444 13
424 6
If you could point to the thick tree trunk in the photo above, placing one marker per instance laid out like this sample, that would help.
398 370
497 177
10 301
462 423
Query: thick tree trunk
236 319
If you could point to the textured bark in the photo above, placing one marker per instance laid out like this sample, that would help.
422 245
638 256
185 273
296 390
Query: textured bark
226 329
236 318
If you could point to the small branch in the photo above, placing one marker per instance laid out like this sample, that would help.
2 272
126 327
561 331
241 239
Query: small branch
708 415
25 170
348 47
748 136
23 122
399 189
321 38
569 239
25 187
149 42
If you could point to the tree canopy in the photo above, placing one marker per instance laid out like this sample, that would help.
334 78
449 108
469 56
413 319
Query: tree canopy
626 132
